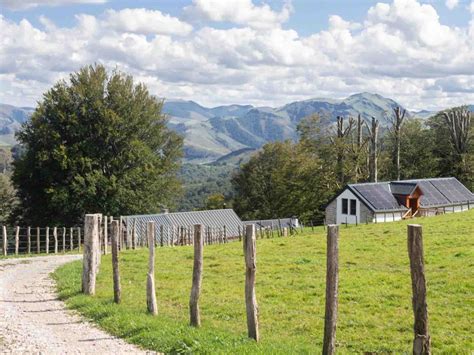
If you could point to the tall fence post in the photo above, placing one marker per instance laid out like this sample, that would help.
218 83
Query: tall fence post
195 317
251 269
422 341
115 230
79 239
55 235
64 239
5 241
28 237
150 280
91 249
17 239
134 234
47 240
161 235
38 241
106 235
332 270
71 238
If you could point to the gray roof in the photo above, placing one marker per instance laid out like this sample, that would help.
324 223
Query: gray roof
436 192
377 196
441 192
215 219
402 188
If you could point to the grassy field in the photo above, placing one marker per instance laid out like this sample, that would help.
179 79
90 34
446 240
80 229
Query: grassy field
374 293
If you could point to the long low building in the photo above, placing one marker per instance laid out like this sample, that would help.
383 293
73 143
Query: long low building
176 223
396 200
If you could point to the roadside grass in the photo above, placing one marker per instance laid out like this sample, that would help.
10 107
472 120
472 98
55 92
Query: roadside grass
375 312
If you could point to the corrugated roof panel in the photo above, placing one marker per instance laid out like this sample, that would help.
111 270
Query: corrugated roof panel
378 195
402 188
453 190
431 195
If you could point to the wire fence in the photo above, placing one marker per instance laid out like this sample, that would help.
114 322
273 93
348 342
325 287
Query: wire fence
39 240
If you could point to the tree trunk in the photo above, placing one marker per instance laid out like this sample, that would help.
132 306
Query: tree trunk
373 137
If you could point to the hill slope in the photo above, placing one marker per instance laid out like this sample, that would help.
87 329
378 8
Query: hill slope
375 311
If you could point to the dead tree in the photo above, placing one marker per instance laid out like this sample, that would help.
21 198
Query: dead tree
397 122
373 139
459 121
358 148
339 143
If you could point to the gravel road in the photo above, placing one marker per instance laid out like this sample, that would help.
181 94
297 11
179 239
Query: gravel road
33 320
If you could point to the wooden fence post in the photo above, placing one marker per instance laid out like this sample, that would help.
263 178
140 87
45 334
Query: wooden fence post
5 241
79 239
422 341
64 239
134 234
55 235
115 261
28 237
195 316
47 240
332 270
91 249
38 241
251 269
150 279
106 235
161 235
17 239
71 238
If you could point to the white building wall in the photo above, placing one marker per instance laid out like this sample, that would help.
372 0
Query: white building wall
343 218
388 217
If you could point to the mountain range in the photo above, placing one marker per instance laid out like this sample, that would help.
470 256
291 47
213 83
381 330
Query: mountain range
213 133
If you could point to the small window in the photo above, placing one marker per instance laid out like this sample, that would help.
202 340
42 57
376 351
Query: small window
353 207
344 206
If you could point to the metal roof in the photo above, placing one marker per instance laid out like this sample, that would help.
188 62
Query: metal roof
436 192
402 188
377 196
215 219
440 192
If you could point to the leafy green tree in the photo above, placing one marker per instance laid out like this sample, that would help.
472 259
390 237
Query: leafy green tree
283 180
417 160
215 201
97 143
7 199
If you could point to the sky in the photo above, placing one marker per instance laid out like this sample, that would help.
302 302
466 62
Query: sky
265 53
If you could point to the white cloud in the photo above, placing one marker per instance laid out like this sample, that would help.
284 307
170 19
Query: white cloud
401 50
146 22
27 4
471 7
241 12
451 4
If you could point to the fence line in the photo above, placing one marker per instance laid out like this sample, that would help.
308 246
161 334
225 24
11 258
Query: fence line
35 240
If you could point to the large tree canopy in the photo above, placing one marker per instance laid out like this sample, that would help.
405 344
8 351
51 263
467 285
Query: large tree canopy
97 143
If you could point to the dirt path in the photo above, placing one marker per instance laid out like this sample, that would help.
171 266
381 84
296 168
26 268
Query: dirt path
33 320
